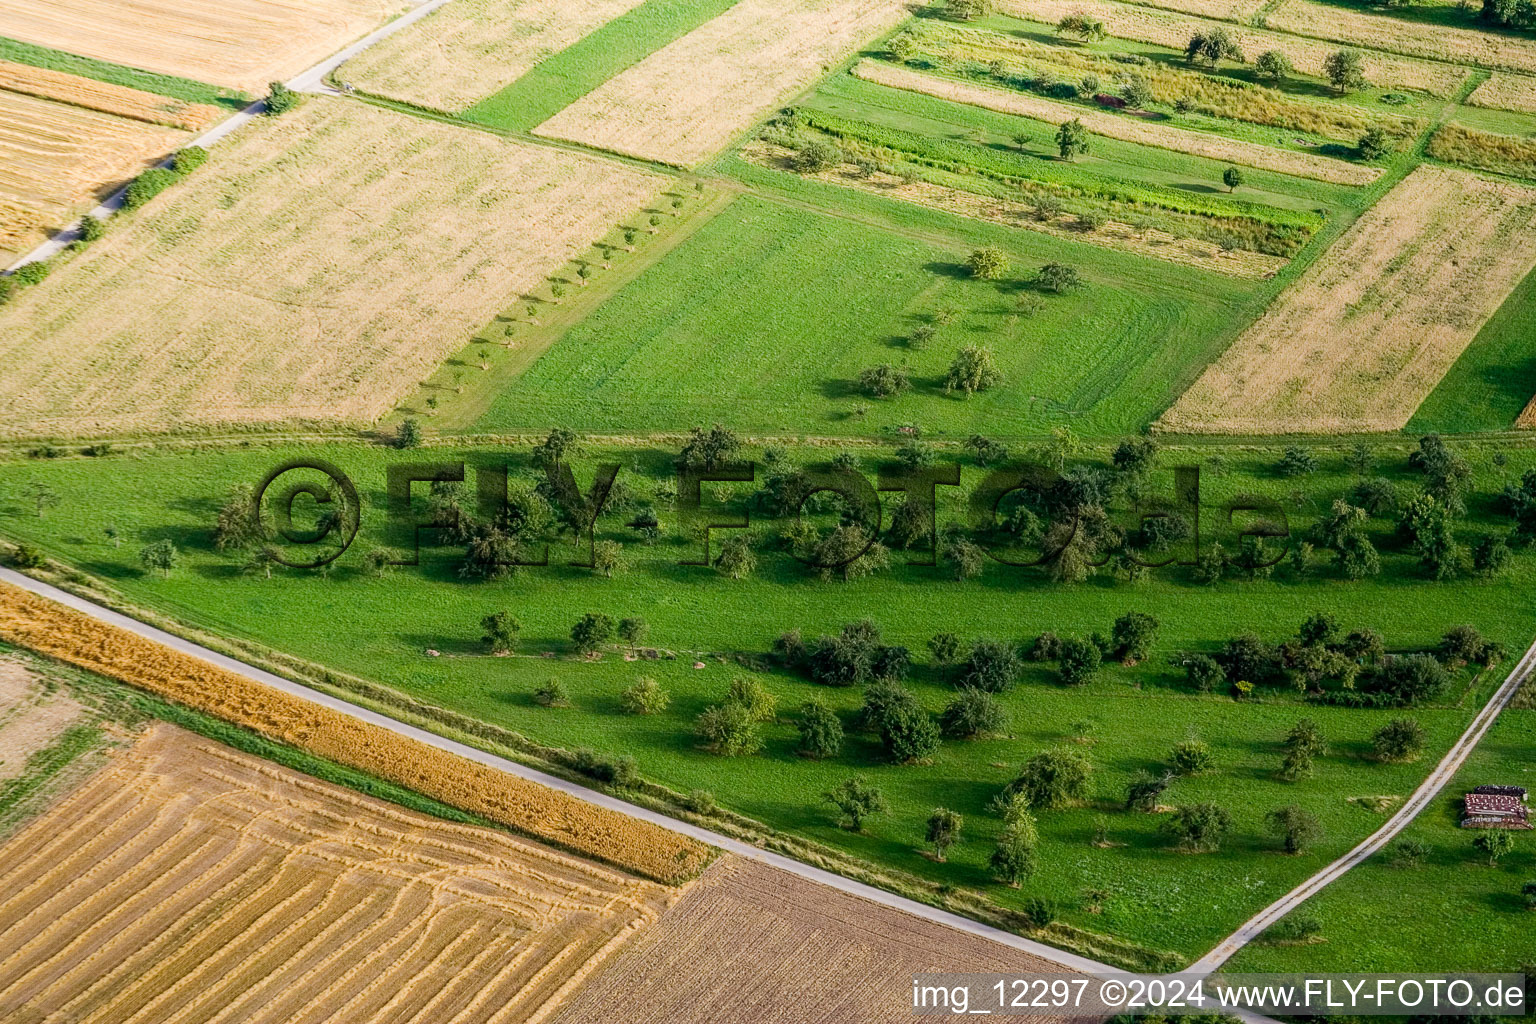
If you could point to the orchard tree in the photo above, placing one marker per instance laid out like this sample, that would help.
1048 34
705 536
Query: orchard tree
736 558
973 369
1145 791
1232 178
608 558
730 729
1345 70
1058 278
1079 661
1191 756
1493 844
943 831
591 631
988 264
501 631
1132 636
162 556
645 697
821 731
967 10
1052 779
1273 65
945 648
972 714
1374 144
1198 827
992 666
857 800
1212 47
1401 739
1015 858
1072 139
1295 827
884 380
1082 26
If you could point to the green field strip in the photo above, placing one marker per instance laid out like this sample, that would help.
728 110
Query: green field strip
1494 378
567 76
184 89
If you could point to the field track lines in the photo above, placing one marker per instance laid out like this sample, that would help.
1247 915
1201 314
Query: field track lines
430 986
435 933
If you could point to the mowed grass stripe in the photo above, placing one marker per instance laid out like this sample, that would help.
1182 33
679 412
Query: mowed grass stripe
567 76
1493 380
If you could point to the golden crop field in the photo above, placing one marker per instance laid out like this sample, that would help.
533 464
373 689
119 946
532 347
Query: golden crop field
780 950
1356 27
546 814
243 44
1164 28
31 717
1214 147
469 49
1223 10
106 97
1504 91
688 100
189 881
56 158
1527 418
320 266
1368 331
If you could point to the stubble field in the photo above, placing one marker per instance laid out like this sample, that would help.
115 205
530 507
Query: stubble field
317 269
190 881
243 44
688 100
121 100
1366 334
1345 24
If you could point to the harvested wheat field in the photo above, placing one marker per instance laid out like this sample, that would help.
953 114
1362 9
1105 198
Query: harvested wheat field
467 50
1527 418
549 815
1222 10
316 269
688 100
189 881
56 158
243 44
1215 147
106 97
1366 334
779 949
1504 91
1421 39
31 717
1164 28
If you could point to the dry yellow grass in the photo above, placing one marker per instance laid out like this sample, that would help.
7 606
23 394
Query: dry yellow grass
689 99
550 815
1527 418
1215 147
469 49
31 717
316 269
1366 334
1223 10
55 158
1150 242
1165 28
780 950
106 97
188 881
1505 91
243 44
1344 24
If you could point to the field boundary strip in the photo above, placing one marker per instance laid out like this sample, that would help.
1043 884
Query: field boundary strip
374 747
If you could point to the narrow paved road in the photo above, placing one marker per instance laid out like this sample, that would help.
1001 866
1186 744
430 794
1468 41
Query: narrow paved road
1427 791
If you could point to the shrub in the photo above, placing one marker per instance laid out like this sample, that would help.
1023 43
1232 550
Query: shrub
1296 462
815 157
645 697
621 771
1191 756
1079 661
1373 145
1401 739
190 159
91 228
148 185
971 714
1146 790
32 273
280 99
552 694
1407 853
1295 826
992 666
700 801
1052 779
1528 894
730 729
28 557
1198 827
1040 911
821 731
884 380
1203 673
1058 278
1293 929
408 434
987 264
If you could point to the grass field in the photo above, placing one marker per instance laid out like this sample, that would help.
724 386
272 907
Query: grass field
563 78
56 158
1478 919
666 351
309 899
1368 332
1491 383
318 268
469 49
240 44
688 100
1136 891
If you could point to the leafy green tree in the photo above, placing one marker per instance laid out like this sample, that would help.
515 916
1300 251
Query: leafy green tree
552 694
237 525
162 556
1401 739
1296 461
1191 756
1079 661
821 731
1136 91
988 264
501 631
1132 635
1345 70
1146 790
760 703
1491 556
632 630
1212 47
708 449
973 369
971 714
608 558
1203 672
645 697
1528 894
408 434
1411 679
1294 826
591 631
848 553
1053 779
1428 527
736 558
884 380
1232 177
943 831
280 99
1082 26
1015 857
857 800
1493 844
490 554
816 156
1374 144
1072 139
1058 278
945 648
1358 559
991 666
967 10
557 448
1198 827
1273 65
730 729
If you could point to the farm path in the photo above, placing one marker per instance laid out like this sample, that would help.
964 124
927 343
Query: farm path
1421 798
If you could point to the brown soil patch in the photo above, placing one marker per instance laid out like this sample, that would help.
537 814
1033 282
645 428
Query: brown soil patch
1113 235
317 269
242 44
1165 28
470 49
752 944
106 97
1214 147
1440 42
1366 334
1506 92
688 100
189 881
30 717
56 158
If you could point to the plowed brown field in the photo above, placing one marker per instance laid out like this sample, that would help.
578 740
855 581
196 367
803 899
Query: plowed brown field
243 44
689 99
55 158
753 944
187 881
1371 327
320 266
